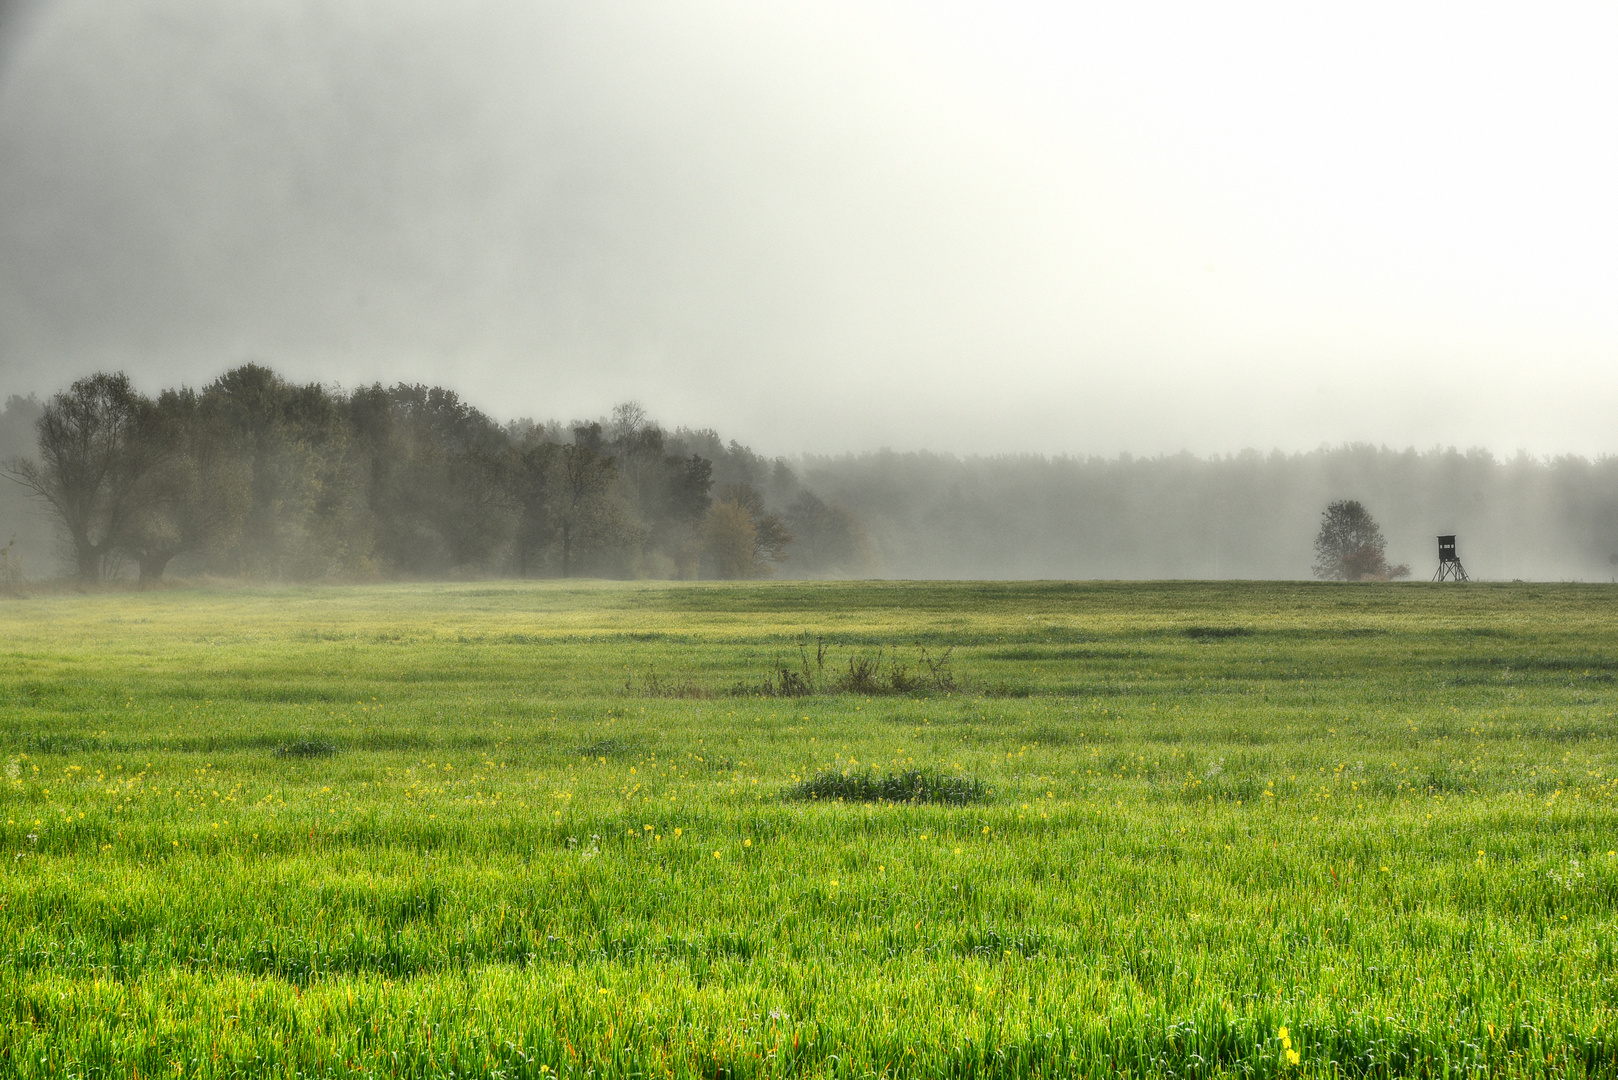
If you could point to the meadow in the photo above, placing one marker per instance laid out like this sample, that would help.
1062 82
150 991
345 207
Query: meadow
561 829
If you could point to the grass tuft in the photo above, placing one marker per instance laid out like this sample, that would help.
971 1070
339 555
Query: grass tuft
656 686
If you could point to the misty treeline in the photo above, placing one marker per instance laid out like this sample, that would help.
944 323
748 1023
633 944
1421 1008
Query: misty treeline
257 477
1244 515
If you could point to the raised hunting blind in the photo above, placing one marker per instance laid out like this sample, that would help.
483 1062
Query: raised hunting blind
1449 563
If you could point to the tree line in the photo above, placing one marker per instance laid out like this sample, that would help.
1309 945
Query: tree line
257 476
1251 514
254 476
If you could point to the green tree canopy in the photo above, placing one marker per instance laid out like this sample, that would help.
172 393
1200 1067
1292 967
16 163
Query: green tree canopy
1350 546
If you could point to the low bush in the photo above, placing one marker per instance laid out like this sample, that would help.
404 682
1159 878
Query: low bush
911 786
608 747
306 748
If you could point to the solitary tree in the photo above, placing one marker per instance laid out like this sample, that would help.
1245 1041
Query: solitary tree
1350 546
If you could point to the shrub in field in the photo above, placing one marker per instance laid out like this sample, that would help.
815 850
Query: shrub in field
306 748
607 747
910 786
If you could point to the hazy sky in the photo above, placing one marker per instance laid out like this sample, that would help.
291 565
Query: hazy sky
959 225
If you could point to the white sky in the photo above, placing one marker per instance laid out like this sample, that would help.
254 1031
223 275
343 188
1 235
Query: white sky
818 226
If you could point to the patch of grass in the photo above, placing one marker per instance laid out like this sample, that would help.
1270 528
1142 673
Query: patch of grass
306 748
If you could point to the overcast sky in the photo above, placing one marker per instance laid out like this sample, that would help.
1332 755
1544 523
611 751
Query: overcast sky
819 226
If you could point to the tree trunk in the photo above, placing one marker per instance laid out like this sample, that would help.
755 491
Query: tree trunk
152 567
89 559
567 551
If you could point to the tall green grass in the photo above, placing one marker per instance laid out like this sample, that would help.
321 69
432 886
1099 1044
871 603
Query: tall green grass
1380 818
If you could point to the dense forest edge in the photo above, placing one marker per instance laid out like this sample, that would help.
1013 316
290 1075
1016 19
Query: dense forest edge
254 477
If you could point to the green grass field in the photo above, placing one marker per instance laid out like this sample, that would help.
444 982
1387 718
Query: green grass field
1229 829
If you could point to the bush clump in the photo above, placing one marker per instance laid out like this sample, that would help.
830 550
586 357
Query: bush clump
911 786
1204 633
607 747
306 748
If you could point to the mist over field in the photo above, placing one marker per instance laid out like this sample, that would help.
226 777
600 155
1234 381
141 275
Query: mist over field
1021 289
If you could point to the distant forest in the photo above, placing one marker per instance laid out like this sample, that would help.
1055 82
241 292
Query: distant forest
255 477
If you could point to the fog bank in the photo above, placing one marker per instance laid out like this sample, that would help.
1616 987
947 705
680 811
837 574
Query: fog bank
829 227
